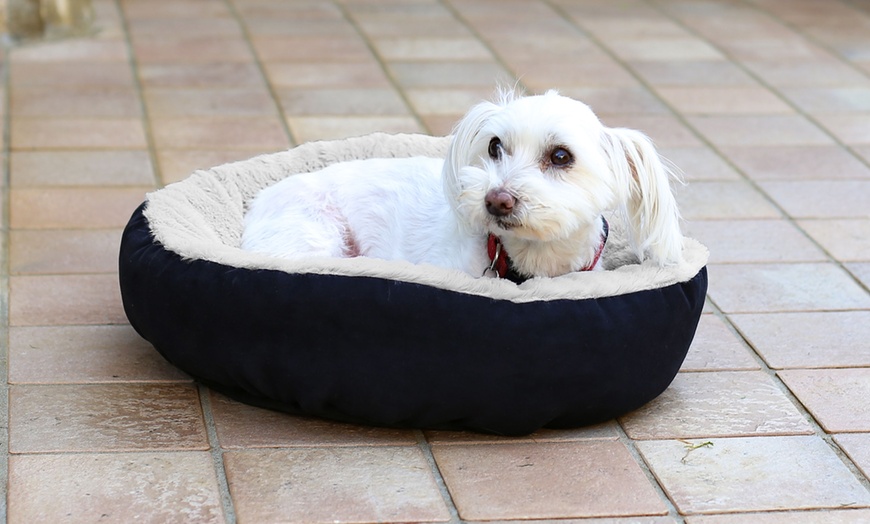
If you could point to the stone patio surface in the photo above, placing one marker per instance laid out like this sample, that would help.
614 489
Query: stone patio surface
764 105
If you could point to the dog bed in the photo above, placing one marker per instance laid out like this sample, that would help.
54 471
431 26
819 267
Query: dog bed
389 343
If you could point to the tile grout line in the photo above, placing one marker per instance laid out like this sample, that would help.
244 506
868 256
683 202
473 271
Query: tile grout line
258 63
217 455
518 85
382 63
145 118
426 448
5 199
648 472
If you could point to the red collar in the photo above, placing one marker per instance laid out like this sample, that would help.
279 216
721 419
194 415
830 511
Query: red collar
500 263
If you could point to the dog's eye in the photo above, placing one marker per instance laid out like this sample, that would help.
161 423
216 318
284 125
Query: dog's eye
561 157
494 148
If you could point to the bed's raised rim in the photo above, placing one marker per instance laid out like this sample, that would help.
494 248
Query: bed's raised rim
200 218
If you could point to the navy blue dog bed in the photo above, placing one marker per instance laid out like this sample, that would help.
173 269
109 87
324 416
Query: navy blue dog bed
389 343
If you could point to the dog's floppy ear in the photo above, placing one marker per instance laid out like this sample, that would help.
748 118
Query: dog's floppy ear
644 189
465 133
465 145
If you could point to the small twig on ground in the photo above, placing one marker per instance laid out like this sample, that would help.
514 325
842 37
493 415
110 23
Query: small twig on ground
691 446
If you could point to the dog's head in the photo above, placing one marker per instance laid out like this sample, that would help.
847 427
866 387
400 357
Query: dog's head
544 169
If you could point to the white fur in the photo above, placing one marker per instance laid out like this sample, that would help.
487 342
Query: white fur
426 210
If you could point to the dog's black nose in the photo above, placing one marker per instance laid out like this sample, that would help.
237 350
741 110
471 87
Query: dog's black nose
499 202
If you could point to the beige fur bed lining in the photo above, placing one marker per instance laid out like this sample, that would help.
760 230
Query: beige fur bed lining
202 216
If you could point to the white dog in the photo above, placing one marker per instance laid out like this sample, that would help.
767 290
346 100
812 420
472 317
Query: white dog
522 193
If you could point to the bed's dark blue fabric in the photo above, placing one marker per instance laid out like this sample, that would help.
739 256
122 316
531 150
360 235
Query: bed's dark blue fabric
391 353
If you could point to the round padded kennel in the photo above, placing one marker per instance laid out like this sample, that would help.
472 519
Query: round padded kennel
390 343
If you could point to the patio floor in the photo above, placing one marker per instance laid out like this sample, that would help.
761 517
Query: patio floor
764 104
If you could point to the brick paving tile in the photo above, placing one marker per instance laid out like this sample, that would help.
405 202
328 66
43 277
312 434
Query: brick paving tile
763 106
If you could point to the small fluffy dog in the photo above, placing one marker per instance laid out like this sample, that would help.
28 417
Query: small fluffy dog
522 193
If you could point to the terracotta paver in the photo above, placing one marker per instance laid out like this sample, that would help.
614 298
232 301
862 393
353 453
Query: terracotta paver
40 300
831 394
45 74
73 207
77 132
372 484
717 73
860 270
53 251
753 474
590 478
724 100
857 446
845 239
797 163
75 102
819 72
178 164
305 74
721 200
424 49
764 106
241 426
333 127
211 75
85 354
851 129
81 168
756 288
812 339
765 130
804 199
729 242
731 403
699 163
163 102
167 487
716 347
219 132
843 516
104 417
605 431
